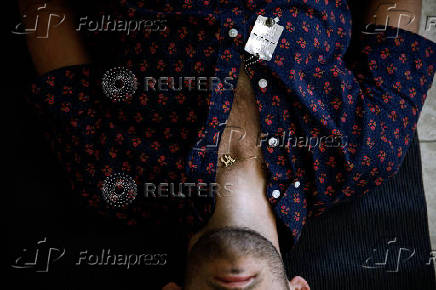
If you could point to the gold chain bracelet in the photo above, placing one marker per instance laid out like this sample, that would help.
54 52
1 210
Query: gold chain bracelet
228 160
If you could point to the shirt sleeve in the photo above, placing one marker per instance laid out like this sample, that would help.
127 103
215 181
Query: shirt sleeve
343 122
96 143
70 108
383 90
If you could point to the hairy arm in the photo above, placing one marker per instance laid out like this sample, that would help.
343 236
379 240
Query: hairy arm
62 46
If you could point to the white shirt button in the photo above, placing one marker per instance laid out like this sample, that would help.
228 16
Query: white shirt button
233 33
273 142
263 83
297 184
276 193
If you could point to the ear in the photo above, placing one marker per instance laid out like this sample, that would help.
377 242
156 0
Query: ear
298 283
171 286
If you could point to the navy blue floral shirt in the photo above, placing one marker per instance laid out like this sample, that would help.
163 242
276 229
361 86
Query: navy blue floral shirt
307 90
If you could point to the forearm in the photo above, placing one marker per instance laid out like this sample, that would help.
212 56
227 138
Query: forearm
52 47
405 15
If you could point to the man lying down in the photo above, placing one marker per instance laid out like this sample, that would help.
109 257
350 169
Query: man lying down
286 62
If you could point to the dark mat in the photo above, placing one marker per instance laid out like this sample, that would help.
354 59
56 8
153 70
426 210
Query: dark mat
380 241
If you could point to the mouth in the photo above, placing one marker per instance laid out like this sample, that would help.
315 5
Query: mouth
234 280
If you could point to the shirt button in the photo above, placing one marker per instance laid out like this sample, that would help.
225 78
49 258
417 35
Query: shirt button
263 83
273 142
233 33
276 193
297 184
